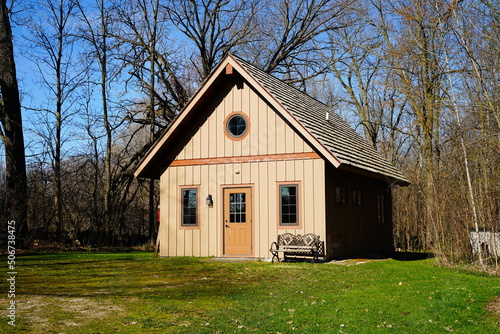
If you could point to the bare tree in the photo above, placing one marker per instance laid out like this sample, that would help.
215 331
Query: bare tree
216 27
143 26
11 130
53 53
291 34
144 33
475 27
356 64
95 31
415 43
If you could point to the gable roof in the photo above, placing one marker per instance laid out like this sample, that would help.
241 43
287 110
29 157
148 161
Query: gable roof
332 138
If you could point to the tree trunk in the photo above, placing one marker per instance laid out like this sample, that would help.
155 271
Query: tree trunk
12 131
58 200
107 126
152 116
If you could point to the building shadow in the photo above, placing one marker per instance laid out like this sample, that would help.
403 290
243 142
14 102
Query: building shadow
411 256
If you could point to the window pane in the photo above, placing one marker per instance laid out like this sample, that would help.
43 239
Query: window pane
288 205
341 195
237 208
189 207
237 126
380 209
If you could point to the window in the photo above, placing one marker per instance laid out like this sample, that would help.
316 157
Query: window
289 205
189 206
236 126
341 195
357 197
237 208
380 208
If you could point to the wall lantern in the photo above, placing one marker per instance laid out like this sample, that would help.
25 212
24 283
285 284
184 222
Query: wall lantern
210 201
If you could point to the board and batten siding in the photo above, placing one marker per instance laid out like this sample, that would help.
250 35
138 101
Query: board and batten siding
269 135
263 178
352 229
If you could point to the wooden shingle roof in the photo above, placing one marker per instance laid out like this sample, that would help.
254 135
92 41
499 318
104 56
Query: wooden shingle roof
334 139
348 146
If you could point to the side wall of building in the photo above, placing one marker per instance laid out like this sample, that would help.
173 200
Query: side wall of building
358 214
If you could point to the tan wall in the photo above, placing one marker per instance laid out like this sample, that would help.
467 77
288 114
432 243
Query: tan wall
269 134
264 178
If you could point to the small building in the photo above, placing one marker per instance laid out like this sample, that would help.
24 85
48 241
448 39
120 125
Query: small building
251 157
486 241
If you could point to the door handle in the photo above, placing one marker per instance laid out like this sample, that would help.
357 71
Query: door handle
227 225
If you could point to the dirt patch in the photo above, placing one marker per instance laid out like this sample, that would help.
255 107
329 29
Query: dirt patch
494 306
43 312
353 262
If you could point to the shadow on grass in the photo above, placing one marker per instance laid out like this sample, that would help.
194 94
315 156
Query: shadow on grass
398 256
411 256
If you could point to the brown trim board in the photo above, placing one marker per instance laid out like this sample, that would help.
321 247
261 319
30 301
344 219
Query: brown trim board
250 158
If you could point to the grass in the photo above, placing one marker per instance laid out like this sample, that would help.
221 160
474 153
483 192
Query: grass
133 293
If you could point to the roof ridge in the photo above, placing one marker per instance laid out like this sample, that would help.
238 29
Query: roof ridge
278 79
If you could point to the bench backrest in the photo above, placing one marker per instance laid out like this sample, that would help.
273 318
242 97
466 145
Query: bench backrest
289 239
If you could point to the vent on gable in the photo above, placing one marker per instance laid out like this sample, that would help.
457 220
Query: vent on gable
229 70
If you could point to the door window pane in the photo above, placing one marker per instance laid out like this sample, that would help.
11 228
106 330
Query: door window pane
237 208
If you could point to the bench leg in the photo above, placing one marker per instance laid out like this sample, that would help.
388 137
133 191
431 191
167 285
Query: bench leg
314 256
275 256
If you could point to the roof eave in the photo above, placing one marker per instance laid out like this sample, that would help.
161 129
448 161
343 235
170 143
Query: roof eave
399 180
147 168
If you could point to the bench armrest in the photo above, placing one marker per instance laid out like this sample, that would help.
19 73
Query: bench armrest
274 247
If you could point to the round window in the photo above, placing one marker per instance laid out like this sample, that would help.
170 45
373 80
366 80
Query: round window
236 125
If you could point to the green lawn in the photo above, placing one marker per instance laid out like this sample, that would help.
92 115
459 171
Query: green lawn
133 293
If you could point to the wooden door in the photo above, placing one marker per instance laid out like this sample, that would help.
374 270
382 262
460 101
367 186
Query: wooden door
237 221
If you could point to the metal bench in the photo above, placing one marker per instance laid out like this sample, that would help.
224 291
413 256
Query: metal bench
303 245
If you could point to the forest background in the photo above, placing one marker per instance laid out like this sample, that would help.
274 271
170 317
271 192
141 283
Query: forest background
100 80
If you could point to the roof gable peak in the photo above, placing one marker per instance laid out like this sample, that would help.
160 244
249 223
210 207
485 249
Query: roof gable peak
332 138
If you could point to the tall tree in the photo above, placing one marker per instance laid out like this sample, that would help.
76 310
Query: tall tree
144 33
357 66
12 130
214 26
143 26
411 30
291 34
53 53
475 27
95 31
153 40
